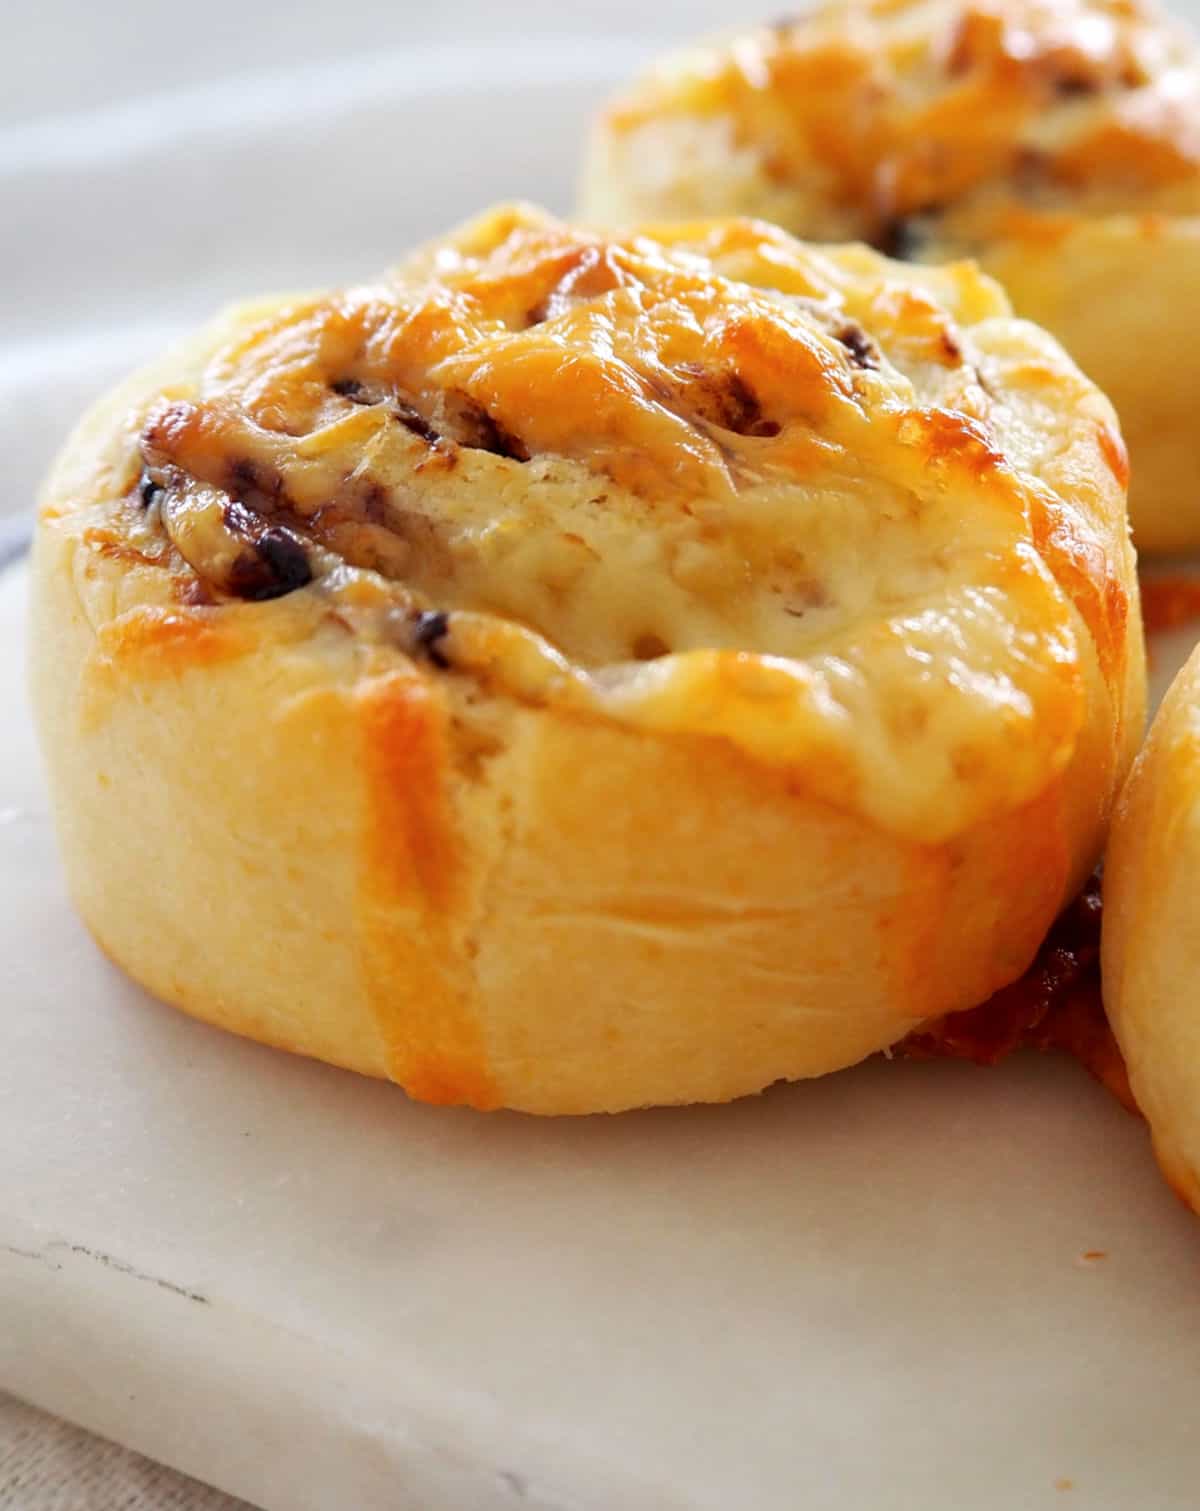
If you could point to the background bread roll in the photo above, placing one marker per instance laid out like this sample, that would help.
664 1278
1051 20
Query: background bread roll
1056 141
574 672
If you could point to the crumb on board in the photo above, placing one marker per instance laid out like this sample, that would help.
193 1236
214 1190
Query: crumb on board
1091 1257
1064 1484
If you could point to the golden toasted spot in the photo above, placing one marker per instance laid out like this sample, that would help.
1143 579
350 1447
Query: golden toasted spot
149 644
947 438
154 642
116 545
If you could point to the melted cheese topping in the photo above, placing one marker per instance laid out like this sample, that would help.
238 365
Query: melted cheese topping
872 118
699 480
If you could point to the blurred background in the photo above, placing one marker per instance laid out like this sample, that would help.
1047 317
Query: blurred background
156 160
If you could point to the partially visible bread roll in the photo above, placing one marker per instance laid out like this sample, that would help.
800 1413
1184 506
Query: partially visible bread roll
1056 141
1151 934
575 672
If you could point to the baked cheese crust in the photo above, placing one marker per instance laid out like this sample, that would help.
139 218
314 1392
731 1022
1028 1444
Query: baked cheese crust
575 672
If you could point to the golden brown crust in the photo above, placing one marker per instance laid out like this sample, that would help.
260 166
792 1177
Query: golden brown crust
577 672
1056 141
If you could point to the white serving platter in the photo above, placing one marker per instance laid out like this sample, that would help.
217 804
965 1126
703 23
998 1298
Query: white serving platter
866 1292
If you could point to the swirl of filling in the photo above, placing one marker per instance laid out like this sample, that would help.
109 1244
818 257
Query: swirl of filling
846 514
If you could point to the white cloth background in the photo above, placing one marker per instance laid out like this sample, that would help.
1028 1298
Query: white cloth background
157 160
48 1465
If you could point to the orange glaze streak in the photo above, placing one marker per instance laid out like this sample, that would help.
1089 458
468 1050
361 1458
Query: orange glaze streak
409 892
1115 453
1169 602
152 642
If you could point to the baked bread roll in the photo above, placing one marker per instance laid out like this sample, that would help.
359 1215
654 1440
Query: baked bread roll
1150 940
1056 141
573 673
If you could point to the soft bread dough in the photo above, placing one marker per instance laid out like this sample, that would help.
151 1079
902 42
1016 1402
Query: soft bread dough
1056 141
572 673
1151 932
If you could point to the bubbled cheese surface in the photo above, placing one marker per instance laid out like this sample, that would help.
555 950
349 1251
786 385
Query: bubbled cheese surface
847 514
